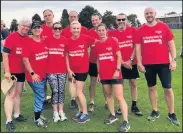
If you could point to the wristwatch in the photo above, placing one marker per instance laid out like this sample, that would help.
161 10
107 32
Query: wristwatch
117 69
131 59
32 73
174 59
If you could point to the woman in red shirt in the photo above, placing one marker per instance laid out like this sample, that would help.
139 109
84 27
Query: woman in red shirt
77 61
35 60
56 70
108 55
13 65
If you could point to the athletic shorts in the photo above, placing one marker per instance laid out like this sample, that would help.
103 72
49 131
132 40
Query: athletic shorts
130 74
20 76
162 70
93 69
80 76
111 82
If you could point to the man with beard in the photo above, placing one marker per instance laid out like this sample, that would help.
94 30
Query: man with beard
125 35
66 32
154 42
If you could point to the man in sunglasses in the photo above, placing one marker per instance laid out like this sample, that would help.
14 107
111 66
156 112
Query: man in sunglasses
154 41
66 32
125 34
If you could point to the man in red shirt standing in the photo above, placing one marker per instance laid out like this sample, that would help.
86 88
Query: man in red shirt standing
66 32
125 35
96 20
154 42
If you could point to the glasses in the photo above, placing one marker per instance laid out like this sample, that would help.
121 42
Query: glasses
121 19
57 28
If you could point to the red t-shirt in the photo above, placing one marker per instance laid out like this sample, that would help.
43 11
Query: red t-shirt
15 42
94 34
125 40
56 55
107 59
66 32
37 53
78 53
154 43
47 31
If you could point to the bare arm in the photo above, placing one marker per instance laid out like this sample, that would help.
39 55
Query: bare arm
27 65
98 77
119 59
70 72
6 62
138 53
172 48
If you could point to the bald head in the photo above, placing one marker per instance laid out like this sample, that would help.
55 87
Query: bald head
73 16
150 14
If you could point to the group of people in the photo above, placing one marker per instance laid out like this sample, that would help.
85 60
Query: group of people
53 53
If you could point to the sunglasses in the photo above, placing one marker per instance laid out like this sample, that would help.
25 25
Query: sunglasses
57 28
121 19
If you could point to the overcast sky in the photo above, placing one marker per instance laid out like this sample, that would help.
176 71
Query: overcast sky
19 9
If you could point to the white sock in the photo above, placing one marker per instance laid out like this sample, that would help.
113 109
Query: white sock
8 121
16 115
91 102
55 113
72 98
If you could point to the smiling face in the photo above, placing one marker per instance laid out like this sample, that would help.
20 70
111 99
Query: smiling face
95 20
24 27
76 29
73 16
57 29
121 21
150 15
102 32
36 31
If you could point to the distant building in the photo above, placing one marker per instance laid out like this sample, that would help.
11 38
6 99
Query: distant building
174 21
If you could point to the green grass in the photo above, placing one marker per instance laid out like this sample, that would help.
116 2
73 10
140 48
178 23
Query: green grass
138 124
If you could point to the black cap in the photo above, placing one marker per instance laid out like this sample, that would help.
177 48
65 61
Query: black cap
35 24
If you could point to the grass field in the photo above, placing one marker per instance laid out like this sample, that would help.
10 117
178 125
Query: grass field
138 124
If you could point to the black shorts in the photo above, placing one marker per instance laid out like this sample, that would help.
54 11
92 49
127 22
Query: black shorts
20 76
163 72
93 69
111 82
80 76
130 74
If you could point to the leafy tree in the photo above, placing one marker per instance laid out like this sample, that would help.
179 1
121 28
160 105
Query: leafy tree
132 18
65 18
108 18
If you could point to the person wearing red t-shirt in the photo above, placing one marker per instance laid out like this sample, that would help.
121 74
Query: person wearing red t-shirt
124 35
96 20
35 60
154 42
47 32
109 55
56 71
66 32
13 65
77 61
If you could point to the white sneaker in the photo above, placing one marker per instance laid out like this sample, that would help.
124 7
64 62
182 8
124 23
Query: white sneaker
56 117
62 116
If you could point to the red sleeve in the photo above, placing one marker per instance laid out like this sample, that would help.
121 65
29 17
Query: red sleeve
169 34
9 41
66 45
137 37
90 40
134 30
26 50
84 30
63 32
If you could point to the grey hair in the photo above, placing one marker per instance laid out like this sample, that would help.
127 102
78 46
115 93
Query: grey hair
24 20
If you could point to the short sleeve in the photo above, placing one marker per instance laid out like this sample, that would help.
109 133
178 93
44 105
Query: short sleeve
115 45
66 45
90 40
9 41
137 37
169 34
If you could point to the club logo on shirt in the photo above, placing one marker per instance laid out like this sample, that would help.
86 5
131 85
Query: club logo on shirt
46 47
158 32
18 50
81 46
44 37
129 36
109 48
62 45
